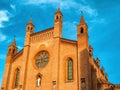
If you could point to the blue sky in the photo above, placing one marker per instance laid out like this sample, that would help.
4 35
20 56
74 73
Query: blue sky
102 17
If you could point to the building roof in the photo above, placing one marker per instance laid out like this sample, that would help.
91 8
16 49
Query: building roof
42 31
69 41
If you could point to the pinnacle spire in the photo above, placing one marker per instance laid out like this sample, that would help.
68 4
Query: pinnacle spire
30 20
14 41
82 21
59 11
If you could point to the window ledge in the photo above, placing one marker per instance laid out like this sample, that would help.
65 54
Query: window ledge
16 88
69 81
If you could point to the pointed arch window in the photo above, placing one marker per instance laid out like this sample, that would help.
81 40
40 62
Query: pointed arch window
38 80
9 51
17 78
31 28
70 69
82 30
56 17
13 51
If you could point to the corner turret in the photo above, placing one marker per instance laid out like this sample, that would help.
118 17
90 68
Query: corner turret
30 27
29 31
82 34
12 49
58 24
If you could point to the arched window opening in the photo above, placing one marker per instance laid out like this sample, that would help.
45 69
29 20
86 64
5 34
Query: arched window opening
60 17
9 51
28 28
90 52
54 85
13 51
57 17
70 69
82 30
38 80
31 28
17 78
83 84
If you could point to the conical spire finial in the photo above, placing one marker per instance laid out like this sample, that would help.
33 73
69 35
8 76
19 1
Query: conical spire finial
14 41
58 11
30 20
82 21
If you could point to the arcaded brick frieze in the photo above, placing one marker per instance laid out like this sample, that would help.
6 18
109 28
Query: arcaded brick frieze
44 35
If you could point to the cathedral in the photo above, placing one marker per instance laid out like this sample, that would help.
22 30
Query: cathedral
50 62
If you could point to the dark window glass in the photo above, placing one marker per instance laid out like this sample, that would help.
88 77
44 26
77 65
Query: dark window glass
13 51
17 78
70 69
83 82
42 59
82 30
56 17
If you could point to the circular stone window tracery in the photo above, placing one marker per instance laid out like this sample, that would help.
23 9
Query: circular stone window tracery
42 59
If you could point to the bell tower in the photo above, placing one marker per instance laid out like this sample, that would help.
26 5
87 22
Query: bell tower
29 31
82 34
12 51
58 24
84 68
30 27
57 34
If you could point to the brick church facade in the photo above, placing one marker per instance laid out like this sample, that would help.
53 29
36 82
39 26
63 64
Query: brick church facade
50 62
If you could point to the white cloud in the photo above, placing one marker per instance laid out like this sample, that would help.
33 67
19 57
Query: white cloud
79 7
13 6
99 20
36 2
70 27
19 47
2 37
67 4
89 10
3 17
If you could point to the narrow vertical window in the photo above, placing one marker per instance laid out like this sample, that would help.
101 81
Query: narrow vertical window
31 28
54 85
83 82
82 30
13 51
38 80
70 69
9 51
57 17
17 78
